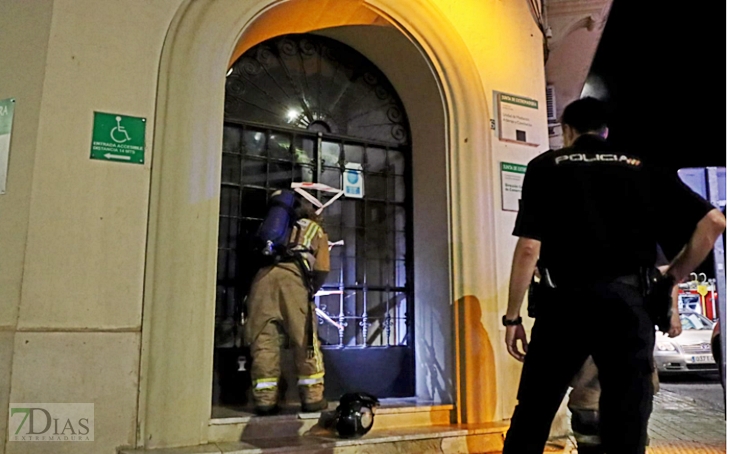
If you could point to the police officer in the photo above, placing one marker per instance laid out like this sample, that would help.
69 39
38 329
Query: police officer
280 302
593 216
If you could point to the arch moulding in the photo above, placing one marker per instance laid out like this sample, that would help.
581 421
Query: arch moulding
180 279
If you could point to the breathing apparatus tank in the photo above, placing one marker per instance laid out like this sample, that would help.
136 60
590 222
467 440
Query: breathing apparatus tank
275 231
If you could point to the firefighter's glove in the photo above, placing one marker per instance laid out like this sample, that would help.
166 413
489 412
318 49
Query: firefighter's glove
659 301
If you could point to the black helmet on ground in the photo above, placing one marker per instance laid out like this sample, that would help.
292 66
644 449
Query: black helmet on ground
355 414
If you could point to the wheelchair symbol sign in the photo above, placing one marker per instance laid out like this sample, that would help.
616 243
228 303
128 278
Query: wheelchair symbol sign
118 138
121 133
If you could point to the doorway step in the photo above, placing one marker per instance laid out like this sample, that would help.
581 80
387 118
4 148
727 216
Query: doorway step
414 429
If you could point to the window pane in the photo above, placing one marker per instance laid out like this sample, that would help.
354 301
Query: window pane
280 175
375 186
254 142
353 276
254 172
330 153
377 215
399 304
400 189
334 232
227 267
379 243
332 216
254 203
400 217
331 177
375 313
380 273
230 168
303 150
349 236
375 160
401 277
353 153
330 305
228 233
350 213
397 162
278 146
333 278
230 201
232 139
400 245
304 174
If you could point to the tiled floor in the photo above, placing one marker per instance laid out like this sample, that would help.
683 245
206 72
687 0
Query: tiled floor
678 425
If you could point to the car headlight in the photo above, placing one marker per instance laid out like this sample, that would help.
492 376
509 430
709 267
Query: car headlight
666 347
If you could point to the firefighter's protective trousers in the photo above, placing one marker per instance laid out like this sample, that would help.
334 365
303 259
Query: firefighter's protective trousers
279 301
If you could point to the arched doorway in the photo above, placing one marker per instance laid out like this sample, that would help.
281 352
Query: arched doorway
305 108
179 302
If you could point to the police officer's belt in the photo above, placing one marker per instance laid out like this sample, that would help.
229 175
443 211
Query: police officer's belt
633 280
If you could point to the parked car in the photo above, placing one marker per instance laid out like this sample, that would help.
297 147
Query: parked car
717 351
691 351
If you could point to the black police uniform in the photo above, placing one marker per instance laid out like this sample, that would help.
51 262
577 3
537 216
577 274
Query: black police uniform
599 215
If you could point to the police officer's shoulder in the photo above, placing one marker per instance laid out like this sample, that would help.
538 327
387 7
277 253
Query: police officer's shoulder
543 158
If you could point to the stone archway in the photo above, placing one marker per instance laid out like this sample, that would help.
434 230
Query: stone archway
179 298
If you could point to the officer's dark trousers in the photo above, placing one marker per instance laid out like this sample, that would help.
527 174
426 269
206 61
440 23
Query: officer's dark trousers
609 322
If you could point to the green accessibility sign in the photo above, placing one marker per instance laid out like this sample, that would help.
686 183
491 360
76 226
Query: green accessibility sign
118 138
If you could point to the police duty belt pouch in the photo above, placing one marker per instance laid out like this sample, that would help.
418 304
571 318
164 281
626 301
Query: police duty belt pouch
539 291
659 298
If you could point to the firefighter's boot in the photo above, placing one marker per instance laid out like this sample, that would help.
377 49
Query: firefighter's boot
312 397
266 396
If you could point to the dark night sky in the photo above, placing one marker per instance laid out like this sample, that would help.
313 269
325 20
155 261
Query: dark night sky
664 67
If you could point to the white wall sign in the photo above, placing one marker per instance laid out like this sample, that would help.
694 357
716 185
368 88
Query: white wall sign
518 119
512 177
353 180
7 109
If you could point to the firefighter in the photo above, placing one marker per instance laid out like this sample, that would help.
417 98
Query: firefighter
280 304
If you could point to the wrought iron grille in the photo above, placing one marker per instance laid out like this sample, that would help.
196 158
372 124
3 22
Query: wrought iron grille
370 269
298 109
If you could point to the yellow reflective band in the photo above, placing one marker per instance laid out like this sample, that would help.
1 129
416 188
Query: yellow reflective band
307 377
310 381
265 385
266 379
310 233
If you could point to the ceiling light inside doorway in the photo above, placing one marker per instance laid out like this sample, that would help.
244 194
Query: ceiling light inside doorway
292 115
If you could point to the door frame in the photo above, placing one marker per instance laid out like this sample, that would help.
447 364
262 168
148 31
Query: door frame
179 294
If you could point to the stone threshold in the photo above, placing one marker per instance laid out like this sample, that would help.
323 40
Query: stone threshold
451 439
381 410
391 415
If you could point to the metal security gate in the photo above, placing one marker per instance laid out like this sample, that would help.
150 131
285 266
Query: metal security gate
302 108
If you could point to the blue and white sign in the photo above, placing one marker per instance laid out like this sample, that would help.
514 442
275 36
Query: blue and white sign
353 181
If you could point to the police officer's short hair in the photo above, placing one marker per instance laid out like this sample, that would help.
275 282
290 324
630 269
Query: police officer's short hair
585 115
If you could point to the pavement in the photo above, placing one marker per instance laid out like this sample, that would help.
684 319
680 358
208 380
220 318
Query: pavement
678 424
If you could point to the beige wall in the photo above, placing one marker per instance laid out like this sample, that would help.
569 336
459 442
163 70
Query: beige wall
506 47
24 30
73 250
82 255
